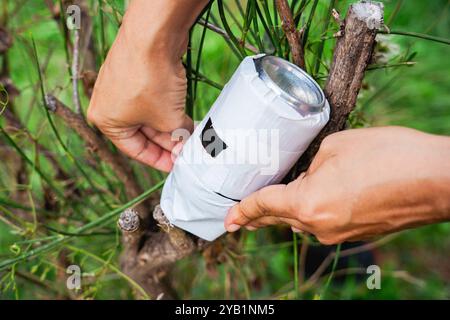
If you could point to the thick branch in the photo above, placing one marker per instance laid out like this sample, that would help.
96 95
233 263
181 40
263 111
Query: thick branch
118 164
292 34
159 252
352 55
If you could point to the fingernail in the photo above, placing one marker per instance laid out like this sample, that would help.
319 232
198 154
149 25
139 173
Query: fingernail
250 228
294 229
233 227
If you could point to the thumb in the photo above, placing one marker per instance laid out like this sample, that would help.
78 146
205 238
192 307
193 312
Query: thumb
139 147
275 200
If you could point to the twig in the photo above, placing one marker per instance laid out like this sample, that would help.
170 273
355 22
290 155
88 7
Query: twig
398 274
224 34
42 283
75 71
309 22
228 30
395 12
292 34
418 35
328 16
5 40
302 260
333 269
61 239
129 220
296 268
200 50
345 253
298 14
393 65
95 143
201 77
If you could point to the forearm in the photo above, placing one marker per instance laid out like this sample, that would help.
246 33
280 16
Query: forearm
439 183
416 191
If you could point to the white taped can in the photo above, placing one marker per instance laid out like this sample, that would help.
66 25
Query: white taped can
261 123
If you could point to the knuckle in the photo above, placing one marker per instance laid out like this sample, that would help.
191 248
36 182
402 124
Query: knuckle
293 199
92 115
327 143
306 211
259 203
295 190
170 125
174 125
139 153
308 218
244 213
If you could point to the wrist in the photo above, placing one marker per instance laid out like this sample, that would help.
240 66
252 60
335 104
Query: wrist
442 177
160 27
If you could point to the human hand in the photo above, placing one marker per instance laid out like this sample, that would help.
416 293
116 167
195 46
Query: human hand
362 183
139 96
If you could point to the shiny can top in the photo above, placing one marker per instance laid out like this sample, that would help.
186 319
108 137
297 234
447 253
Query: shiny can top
291 83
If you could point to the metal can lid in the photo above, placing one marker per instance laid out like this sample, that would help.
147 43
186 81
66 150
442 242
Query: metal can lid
291 83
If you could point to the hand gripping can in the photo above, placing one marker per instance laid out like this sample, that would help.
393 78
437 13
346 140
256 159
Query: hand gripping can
261 123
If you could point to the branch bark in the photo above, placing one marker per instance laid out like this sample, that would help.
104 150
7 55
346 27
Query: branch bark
158 253
224 34
117 162
292 34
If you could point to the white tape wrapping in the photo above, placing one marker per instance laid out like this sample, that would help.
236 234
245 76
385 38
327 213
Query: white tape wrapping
255 138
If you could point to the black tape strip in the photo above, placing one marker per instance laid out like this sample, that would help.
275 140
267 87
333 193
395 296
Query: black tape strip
211 141
219 194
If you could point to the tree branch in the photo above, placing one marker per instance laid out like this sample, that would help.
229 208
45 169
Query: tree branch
75 71
117 162
351 57
223 33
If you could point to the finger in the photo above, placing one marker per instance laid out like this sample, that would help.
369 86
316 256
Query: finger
296 230
325 152
188 124
139 147
177 149
163 139
274 220
169 122
274 200
249 227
